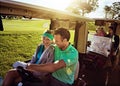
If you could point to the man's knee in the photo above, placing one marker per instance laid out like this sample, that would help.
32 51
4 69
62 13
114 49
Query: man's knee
12 72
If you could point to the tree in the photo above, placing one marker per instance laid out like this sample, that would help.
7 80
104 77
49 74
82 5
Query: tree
1 25
107 10
82 7
114 10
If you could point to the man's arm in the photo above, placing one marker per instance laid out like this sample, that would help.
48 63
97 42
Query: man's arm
50 67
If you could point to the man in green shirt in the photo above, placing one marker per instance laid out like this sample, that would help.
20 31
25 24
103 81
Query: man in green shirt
69 56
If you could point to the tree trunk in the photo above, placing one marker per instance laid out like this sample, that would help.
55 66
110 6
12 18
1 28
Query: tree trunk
1 24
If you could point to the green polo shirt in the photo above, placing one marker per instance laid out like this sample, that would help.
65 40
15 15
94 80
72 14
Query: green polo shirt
70 57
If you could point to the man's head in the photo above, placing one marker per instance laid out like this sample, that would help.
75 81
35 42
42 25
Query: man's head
113 27
111 30
62 37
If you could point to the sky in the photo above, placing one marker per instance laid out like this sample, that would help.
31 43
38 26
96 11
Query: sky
62 4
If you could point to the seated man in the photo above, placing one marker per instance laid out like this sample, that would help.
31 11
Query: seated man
64 66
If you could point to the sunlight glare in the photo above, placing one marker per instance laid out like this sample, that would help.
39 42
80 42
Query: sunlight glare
59 4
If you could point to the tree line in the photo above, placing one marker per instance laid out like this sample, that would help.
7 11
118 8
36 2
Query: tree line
113 11
82 7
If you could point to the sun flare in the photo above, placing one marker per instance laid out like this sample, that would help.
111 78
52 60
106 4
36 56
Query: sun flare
60 4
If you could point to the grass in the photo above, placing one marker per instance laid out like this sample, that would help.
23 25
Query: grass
19 41
25 25
16 46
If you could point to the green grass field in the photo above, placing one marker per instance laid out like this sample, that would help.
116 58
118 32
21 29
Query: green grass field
25 25
19 41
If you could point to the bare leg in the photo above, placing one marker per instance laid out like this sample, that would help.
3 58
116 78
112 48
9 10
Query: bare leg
11 77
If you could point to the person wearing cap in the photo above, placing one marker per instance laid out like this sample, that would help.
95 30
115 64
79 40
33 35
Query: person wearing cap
38 58
43 54
47 39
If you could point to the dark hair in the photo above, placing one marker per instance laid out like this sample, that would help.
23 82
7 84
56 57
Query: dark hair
112 28
64 33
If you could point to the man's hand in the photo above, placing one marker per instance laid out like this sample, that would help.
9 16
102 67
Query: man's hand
19 63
